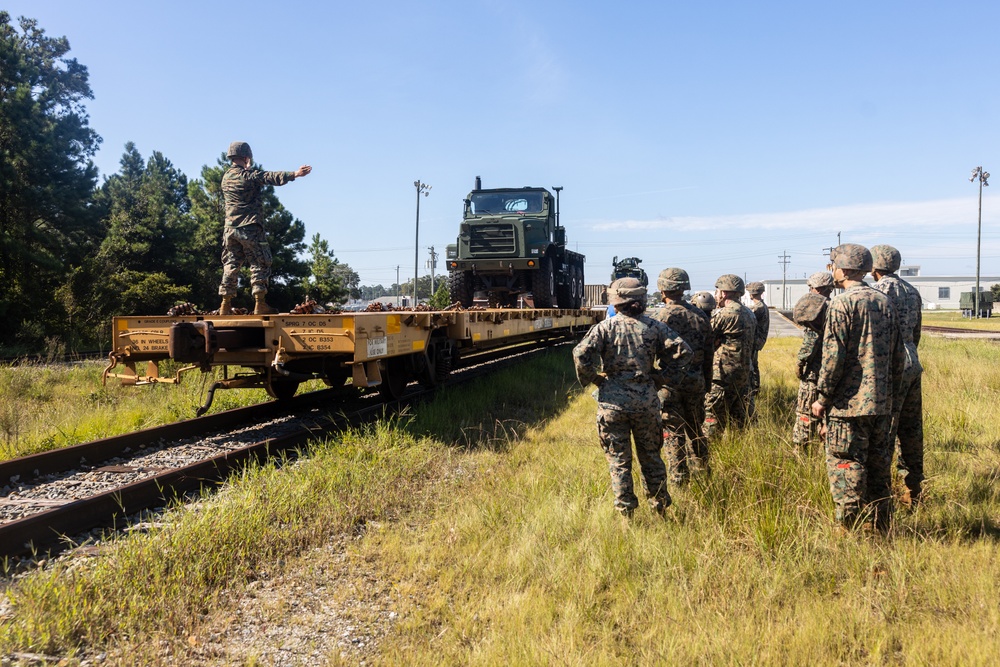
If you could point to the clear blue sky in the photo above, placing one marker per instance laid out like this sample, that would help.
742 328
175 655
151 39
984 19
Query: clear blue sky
711 136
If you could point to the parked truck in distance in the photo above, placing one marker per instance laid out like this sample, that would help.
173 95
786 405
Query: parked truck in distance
511 251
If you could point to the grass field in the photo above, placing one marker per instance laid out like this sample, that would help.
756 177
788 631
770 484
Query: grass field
491 536
951 318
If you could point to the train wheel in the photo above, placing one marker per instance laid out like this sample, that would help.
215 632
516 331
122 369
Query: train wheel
394 379
282 388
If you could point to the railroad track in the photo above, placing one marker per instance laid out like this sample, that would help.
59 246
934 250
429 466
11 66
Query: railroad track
983 333
51 498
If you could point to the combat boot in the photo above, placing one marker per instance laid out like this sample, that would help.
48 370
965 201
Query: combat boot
261 307
227 306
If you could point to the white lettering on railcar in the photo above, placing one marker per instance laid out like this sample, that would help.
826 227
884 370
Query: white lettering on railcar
378 347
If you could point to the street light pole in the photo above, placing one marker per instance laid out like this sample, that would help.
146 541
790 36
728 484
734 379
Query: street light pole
983 177
425 189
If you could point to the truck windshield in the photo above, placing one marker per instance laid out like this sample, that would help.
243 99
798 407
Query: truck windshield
506 202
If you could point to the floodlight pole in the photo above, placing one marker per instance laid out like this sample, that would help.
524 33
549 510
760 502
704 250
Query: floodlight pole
983 176
425 190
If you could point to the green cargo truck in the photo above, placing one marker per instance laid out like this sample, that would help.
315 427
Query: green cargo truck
511 251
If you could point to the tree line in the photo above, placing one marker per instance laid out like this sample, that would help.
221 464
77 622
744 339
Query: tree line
74 252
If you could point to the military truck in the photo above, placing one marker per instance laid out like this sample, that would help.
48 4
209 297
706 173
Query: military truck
511 251
629 268
967 303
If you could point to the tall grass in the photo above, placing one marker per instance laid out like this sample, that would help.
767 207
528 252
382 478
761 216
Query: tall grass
508 550
45 406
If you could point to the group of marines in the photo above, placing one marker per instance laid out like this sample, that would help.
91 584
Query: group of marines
679 375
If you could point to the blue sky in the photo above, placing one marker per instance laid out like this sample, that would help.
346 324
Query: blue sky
711 136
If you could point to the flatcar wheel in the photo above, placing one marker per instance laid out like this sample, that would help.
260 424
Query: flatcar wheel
394 379
282 388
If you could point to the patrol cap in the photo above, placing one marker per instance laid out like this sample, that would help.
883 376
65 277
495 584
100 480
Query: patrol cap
673 279
810 310
755 287
704 300
730 282
624 290
239 149
852 257
820 279
885 258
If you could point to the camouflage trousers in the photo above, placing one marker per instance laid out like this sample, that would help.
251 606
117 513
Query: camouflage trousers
806 426
858 461
616 429
683 433
725 404
245 245
908 434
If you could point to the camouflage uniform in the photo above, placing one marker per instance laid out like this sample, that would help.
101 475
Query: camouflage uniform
861 365
244 240
809 312
763 317
629 349
683 405
734 329
907 417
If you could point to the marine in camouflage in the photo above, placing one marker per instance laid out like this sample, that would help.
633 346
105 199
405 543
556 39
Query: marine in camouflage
683 405
763 317
244 240
734 329
636 354
907 422
810 313
860 370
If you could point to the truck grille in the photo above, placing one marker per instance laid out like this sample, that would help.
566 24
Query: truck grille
492 240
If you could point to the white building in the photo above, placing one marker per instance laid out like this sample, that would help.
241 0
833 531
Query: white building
936 291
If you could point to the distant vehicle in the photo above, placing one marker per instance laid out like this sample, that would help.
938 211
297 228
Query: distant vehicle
629 268
511 250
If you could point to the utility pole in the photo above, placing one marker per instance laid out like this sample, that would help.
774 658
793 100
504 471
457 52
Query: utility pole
784 257
432 263
397 286
982 176
425 190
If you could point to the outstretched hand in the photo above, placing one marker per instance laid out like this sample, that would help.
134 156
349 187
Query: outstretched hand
303 171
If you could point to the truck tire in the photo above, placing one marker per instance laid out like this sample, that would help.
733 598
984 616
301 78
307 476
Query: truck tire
460 288
543 283
564 293
576 279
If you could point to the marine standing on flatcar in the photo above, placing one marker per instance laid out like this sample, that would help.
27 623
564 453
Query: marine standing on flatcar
683 405
860 372
907 406
636 354
244 240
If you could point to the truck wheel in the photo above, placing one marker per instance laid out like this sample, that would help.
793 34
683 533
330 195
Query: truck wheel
543 283
460 288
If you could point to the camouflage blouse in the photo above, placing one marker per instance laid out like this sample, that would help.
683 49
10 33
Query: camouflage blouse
629 349
735 331
862 360
906 299
694 326
241 193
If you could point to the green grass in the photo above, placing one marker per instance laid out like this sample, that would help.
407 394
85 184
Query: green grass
44 407
497 534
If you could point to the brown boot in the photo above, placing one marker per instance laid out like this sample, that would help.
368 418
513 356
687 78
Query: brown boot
261 307
227 306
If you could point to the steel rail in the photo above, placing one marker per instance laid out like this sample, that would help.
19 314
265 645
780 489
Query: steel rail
47 531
